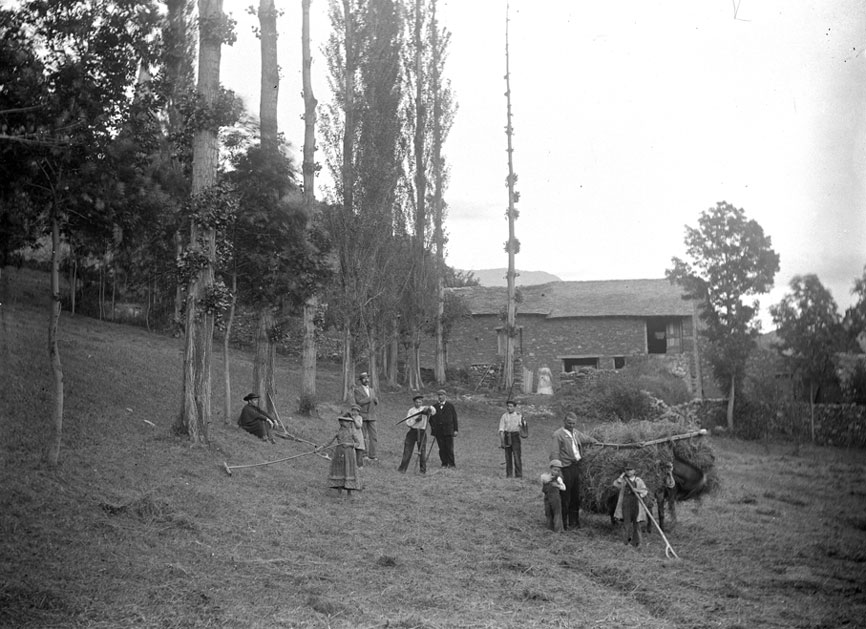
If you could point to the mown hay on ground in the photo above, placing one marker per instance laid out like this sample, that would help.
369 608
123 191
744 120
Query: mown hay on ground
603 464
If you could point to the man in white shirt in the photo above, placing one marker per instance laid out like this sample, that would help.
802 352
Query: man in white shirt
509 439
567 442
417 434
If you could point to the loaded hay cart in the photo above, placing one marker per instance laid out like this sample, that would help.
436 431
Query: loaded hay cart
656 449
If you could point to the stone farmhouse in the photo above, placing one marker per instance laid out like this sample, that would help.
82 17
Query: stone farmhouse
566 326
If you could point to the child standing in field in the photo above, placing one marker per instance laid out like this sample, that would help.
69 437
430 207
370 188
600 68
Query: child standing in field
628 508
551 485
344 472
358 425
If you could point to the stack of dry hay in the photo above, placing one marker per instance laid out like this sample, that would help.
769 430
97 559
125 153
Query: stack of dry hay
602 465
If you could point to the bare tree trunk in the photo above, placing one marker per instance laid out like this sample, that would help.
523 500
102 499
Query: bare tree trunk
311 307
227 373
195 418
394 354
113 294
52 451
731 394
270 78
149 304
177 318
101 293
308 357
812 408
348 365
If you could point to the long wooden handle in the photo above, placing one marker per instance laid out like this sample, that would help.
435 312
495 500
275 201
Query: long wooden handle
642 444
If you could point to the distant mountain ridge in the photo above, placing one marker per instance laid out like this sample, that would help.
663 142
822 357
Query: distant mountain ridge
496 277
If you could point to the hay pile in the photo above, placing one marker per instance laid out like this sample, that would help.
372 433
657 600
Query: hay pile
601 465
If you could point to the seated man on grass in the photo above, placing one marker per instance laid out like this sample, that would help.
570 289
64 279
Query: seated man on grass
254 420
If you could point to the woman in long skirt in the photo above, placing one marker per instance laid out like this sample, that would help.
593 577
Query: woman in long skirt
344 473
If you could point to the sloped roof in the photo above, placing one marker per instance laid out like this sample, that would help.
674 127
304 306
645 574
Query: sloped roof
602 298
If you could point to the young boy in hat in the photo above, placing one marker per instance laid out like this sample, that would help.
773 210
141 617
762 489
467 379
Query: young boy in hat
551 485
254 420
628 508
416 421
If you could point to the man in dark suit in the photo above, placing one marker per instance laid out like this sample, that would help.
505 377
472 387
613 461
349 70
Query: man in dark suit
443 426
365 398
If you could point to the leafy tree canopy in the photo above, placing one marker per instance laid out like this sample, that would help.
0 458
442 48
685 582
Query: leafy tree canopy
730 259
808 327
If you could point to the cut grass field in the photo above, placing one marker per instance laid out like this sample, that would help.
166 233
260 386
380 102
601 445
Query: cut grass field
136 528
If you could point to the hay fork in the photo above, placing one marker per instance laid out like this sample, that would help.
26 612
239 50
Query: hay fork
669 550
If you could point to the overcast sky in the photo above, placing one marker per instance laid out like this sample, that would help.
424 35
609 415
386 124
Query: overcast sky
631 118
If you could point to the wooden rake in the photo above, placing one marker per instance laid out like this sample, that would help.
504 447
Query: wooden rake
228 468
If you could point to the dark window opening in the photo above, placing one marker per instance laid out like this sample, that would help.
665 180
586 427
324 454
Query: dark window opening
618 362
656 336
573 364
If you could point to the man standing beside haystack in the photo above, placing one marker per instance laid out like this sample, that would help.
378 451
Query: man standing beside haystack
567 442
365 398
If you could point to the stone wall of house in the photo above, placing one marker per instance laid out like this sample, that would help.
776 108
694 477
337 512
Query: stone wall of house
474 340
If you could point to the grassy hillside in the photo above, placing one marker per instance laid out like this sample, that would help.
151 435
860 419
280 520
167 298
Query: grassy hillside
138 529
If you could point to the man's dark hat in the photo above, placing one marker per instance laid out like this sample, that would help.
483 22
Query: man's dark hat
441 392
363 374
511 402
250 396
418 397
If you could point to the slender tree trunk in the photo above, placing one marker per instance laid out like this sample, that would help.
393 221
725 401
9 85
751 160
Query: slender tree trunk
195 418
52 451
308 357
113 294
394 354
731 394
348 366
101 293
74 283
311 307
177 318
227 373
812 409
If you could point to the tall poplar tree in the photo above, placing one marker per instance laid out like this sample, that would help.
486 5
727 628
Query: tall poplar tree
199 260
311 307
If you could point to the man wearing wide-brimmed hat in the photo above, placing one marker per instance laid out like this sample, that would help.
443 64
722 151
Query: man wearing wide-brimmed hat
365 398
254 420
443 427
